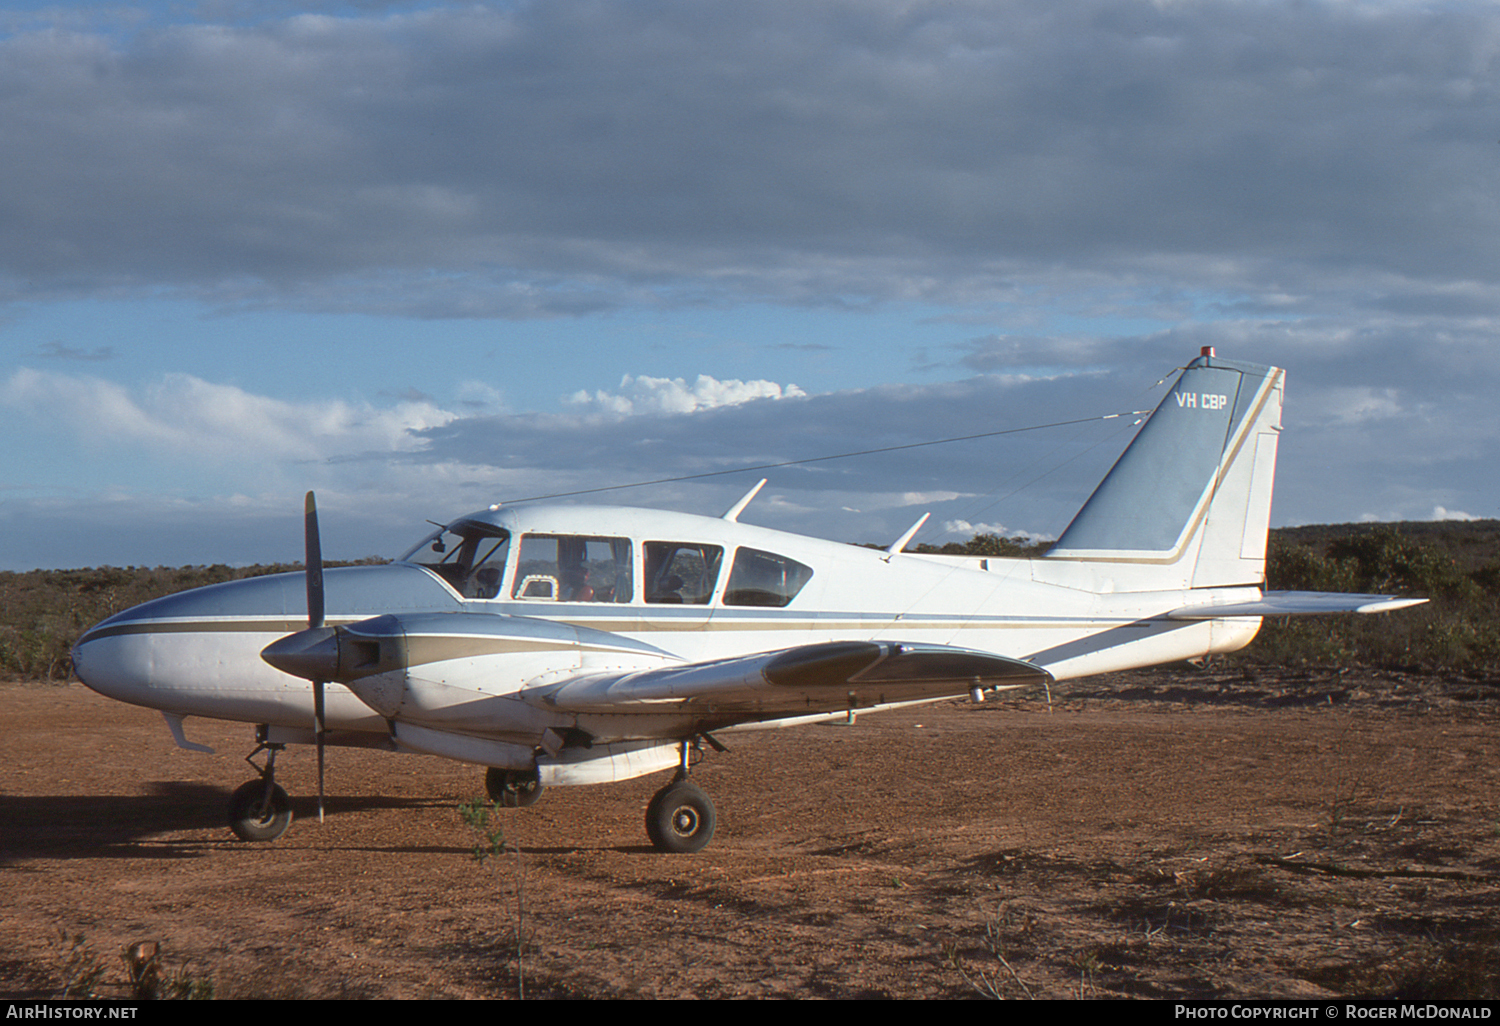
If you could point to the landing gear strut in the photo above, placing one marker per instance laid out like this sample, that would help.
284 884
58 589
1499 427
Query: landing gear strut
681 818
260 810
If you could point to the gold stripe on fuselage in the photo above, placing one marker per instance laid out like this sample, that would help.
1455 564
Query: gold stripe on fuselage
626 626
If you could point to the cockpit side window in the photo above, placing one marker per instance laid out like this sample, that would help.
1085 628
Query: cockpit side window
681 573
573 568
467 554
764 579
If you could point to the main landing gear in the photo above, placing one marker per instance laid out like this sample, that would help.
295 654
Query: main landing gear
512 789
260 810
681 818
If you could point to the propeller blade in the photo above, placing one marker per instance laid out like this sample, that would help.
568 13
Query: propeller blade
318 723
314 564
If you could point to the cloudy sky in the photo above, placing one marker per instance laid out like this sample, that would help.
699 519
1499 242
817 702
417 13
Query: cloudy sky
421 257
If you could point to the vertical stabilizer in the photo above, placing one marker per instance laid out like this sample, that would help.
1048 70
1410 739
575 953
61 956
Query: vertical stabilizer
1192 492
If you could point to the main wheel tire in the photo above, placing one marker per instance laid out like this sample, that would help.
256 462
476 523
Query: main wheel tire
512 789
255 816
680 819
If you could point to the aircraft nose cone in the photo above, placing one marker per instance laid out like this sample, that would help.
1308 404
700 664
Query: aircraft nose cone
118 664
80 660
312 654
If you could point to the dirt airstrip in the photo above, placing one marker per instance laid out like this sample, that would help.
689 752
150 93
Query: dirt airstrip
1178 833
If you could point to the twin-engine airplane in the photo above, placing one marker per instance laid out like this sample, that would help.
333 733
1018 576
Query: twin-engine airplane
562 645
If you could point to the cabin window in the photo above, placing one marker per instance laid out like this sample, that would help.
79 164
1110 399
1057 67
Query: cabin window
467 554
572 568
681 573
764 579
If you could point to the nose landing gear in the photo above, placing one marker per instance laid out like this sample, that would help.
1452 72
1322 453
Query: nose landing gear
259 810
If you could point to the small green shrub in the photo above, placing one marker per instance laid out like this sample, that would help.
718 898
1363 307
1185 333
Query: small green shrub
1458 629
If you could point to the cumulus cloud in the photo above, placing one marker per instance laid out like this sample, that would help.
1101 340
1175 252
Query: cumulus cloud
646 395
964 529
1441 513
927 498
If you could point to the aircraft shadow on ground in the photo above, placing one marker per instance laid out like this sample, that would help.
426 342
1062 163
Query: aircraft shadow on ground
113 826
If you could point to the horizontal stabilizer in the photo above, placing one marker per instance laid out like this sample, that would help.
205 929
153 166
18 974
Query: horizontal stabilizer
1297 603
831 675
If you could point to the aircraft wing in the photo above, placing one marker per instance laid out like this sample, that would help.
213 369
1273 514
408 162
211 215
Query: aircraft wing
806 679
1297 603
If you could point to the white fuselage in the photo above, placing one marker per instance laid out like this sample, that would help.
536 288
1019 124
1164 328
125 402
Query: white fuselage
198 654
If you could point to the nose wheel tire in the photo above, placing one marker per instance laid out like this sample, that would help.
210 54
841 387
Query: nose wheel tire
256 815
680 819
512 789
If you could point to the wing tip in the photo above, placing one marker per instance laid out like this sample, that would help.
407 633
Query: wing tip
1297 603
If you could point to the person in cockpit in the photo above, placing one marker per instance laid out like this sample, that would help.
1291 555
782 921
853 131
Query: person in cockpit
575 585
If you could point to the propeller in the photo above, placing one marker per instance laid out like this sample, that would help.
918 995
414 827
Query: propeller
312 654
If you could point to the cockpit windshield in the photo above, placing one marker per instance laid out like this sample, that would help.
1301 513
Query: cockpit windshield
467 554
